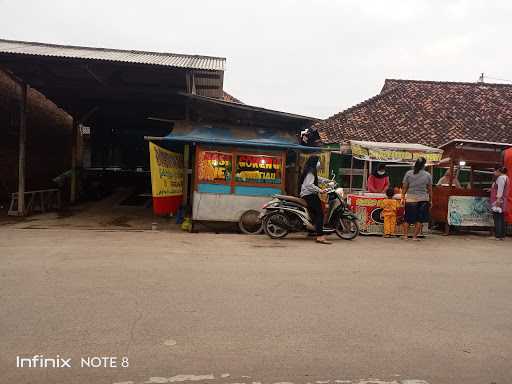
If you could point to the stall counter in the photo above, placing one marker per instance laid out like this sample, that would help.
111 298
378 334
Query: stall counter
366 207
461 207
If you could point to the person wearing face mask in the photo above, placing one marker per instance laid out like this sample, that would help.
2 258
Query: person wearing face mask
309 191
378 182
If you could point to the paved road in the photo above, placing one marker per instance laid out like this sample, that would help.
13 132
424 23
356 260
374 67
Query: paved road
225 309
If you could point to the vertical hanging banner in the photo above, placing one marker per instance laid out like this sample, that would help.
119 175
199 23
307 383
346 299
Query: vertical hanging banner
166 179
325 157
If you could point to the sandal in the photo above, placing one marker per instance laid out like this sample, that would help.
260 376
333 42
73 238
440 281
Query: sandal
323 241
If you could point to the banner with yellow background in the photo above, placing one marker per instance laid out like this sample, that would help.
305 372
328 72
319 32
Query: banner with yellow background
166 179
325 157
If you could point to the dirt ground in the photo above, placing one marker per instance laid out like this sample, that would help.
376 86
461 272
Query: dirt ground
95 215
246 309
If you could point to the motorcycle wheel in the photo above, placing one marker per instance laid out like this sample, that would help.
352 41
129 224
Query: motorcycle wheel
346 229
272 229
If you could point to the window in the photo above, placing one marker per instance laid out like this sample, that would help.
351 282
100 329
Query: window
258 169
214 167
247 173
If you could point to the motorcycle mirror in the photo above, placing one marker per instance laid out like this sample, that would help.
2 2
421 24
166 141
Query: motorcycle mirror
333 175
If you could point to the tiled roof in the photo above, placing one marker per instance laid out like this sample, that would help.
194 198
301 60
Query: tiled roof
426 112
126 56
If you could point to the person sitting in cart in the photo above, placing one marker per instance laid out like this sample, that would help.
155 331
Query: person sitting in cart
389 212
445 179
378 182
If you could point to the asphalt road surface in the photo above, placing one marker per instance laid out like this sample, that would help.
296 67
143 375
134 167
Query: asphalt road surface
224 309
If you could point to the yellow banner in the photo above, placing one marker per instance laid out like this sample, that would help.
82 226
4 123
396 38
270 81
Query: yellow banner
379 154
325 158
166 171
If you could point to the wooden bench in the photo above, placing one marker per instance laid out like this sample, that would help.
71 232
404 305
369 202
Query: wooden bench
36 201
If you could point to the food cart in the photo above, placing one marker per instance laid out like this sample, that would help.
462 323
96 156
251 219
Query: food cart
466 207
233 169
366 205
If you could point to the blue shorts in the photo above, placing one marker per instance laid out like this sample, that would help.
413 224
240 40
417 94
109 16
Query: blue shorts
417 212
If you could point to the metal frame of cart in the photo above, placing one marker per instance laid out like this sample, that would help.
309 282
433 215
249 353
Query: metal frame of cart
370 152
467 208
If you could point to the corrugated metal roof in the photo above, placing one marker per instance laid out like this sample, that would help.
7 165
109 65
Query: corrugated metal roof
237 136
140 57
247 107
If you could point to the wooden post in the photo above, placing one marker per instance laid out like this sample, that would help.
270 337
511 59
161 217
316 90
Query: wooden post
447 226
365 176
351 172
22 150
74 156
471 178
452 171
186 157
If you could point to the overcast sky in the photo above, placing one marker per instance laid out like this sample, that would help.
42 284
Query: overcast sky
309 57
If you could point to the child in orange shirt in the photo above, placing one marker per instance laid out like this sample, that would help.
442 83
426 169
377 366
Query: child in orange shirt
389 211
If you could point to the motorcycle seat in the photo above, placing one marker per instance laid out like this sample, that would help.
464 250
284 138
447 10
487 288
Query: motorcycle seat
292 199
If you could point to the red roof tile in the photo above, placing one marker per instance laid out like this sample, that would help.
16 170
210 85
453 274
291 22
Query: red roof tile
426 112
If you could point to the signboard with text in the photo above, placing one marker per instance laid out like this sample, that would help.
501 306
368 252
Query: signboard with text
376 153
469 211
214 166
166 179
259 169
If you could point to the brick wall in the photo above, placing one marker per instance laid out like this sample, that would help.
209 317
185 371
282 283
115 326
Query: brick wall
48 139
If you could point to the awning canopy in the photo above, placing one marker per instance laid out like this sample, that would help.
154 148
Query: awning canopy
234 136
476 154
394 152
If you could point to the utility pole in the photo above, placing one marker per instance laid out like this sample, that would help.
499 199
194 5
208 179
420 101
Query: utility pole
22 148
74 160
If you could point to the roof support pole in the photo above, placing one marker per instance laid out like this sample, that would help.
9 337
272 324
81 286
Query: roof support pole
22 149
351 172
452 169
186 164
452 172
365 175
76 157
74 161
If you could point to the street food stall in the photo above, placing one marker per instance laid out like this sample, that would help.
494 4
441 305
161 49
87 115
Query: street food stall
366 205
233 169
466 206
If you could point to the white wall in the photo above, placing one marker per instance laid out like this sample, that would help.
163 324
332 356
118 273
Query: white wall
224 207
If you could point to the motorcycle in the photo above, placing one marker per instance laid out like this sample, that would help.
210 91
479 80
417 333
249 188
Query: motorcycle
285 214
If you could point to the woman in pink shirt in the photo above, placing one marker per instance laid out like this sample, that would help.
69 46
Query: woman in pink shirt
378 182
